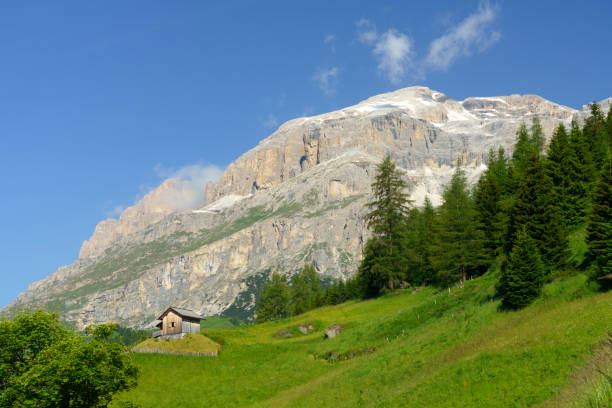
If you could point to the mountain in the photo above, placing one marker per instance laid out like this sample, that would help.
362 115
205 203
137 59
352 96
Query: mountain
296 197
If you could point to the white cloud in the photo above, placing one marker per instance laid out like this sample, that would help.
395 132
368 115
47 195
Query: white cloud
270 122
473 34
393 49
330 39
366 31
394 52
327 80
188 192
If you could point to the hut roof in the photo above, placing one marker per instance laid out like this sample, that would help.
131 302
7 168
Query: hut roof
181 312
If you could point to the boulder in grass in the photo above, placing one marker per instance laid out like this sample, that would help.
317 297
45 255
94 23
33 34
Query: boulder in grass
283 334
306 328
333 330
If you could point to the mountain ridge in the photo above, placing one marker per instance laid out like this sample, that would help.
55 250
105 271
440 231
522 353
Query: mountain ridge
296 197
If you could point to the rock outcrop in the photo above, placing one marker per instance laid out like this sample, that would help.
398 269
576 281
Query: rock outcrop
297 197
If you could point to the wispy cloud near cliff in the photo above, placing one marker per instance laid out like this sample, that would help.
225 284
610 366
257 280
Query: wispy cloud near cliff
188 193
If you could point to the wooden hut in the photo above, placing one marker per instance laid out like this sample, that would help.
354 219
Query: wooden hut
175 322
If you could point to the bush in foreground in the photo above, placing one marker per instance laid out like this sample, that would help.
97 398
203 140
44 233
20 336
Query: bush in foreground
43 364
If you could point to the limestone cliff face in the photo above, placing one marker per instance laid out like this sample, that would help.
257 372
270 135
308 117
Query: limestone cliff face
417 126
166 199
297 197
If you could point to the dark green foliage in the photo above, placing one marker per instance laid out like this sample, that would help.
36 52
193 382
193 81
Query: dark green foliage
563 169
419 235
384 263
274 301
527 144
128 336
488 202
596 134
43 364
599 227
535 211
523 275
305 292
458 250
537 139
336 293
390 205
376 269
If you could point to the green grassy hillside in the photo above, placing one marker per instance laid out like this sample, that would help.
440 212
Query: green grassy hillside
432 349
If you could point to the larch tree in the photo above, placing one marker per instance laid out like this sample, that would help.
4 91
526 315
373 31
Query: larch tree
383 257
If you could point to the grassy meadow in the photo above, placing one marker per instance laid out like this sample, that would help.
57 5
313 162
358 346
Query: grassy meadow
432 348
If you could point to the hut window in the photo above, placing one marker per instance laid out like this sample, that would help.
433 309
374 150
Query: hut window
173 323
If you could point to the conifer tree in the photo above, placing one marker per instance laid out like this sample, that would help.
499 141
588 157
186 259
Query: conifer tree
522 276
534 209
520 157
599 227
274 301
458 250
384 256
536 138
488 201
305 287
563 169
583 172
498 169
596 134
390 205
376 269
419 236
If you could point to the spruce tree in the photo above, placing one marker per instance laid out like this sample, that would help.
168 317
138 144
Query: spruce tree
536 138
534 210
563 169
520 157
458 249
376 269
599 227
522 276
596 134
583 172
274 301
419 236
305 287
488 202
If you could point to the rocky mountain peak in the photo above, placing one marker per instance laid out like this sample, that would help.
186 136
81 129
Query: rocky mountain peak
297 197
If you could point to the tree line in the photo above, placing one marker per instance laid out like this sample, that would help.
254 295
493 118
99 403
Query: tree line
518 217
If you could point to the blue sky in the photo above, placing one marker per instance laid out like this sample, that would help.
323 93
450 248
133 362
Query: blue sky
99 101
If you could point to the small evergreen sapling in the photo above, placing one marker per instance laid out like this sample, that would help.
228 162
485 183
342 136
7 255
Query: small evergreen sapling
523 275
